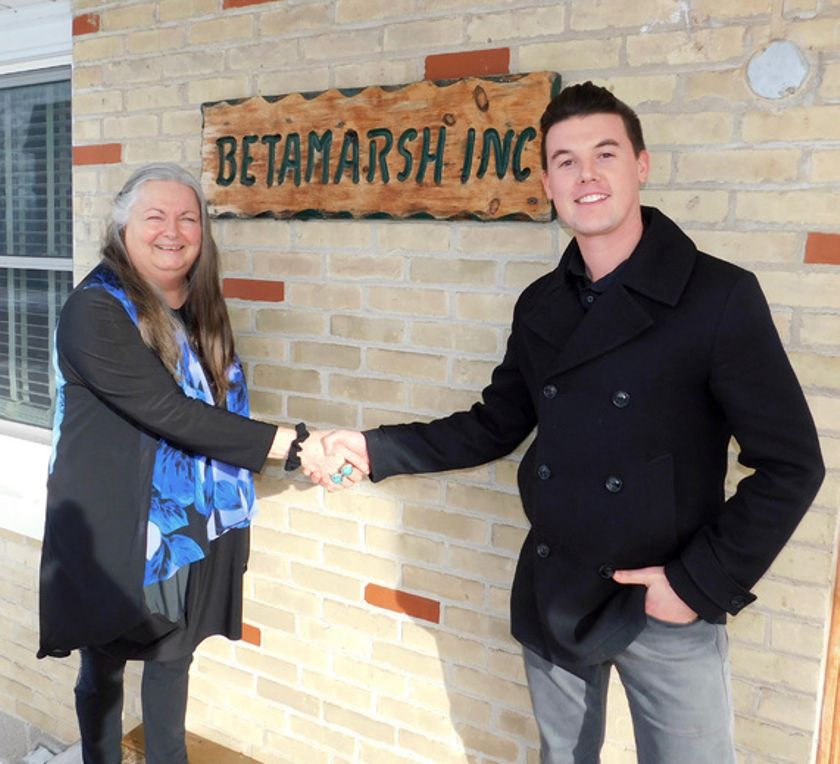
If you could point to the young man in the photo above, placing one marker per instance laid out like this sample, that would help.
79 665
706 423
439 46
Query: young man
636 360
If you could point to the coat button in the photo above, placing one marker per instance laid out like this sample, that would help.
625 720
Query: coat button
614 484
543 550
621 399
543 472
606 570
549 391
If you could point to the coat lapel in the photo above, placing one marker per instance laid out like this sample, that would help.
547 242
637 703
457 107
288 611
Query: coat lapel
659 269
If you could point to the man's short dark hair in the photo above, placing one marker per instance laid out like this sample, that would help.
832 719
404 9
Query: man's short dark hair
583 100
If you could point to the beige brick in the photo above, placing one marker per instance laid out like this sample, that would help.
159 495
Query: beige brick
809 289
677 48
442 400
519 275
359 723
285 750
709 10
86 77
334 690
314 729
423 34
445 585
410 365
326 354
181 122
508 537
506 664
646 13
739 166
370 509
450 524
782 596
448 647
270 617
326 582
431 750
724 87
817 370
122 72
254 234
749 246
381 680
405 546
293 697
358 266
381 71
156 40
642 90
750 626
493 568
367 329
830 88
484 501
221 30
687 129
266 56
413 236
472 373
136 126
318 525
820 328
325 296
364 564
138 15
217 89
825 166
773 742
795 637
320 412
290 20
526 238
695 206
813 123
97 102
283 378
98 48
173 10
816 528
494 308
376 754
421 302
482 626
464 337
570 55
788 709
522 24
294 81
453 271
408 661
821 33
250 346
156 97
316 234
192 64
286 264
408 714
290 322
335 47
486 685
349 11
381 391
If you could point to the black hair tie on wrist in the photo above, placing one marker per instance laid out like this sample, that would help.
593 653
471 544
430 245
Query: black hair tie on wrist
293 458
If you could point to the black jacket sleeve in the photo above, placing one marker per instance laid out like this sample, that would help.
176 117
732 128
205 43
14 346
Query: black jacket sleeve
755 386
100 348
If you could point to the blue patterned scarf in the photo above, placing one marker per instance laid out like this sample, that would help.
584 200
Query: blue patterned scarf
194 499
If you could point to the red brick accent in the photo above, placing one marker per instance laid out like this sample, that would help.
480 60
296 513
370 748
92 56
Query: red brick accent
403 602
242 3
101 153
823 248
87 23
251 634
474 63
253 289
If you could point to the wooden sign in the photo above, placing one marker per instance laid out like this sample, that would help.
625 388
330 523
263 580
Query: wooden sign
466 148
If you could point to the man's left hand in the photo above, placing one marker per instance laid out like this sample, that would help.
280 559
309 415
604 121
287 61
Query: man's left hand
661 601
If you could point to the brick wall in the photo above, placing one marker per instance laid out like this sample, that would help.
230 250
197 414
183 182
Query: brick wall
380 321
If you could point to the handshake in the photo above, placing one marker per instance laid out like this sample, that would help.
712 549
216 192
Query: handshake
335 459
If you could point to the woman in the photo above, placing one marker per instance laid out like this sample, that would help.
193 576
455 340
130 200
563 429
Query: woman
150 494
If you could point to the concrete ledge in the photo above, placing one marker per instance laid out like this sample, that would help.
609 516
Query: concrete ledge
199 749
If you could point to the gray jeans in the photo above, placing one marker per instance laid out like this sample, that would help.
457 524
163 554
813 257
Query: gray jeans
677 682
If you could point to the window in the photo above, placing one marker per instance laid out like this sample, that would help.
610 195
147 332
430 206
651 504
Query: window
36 236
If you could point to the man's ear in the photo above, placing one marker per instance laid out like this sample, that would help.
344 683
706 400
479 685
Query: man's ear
546 187
643 161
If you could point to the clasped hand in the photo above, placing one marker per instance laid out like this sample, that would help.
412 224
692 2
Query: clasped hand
334 459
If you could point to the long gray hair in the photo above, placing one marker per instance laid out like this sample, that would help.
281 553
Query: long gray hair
211 333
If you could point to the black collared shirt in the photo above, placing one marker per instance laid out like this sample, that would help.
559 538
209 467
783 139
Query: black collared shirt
589 291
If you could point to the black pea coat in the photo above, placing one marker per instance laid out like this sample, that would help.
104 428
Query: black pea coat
634 405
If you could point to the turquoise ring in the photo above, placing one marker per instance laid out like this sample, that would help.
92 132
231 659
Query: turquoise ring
345 471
